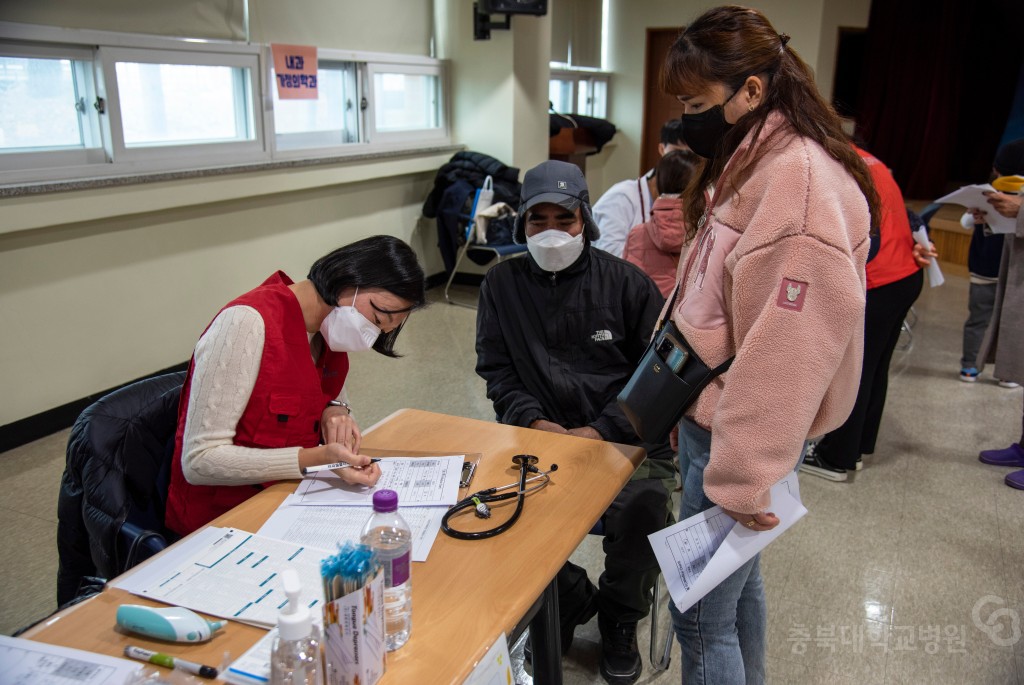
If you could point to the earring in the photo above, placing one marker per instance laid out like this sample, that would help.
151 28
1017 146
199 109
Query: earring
750 108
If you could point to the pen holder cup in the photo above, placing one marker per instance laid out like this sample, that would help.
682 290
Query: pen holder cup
354 648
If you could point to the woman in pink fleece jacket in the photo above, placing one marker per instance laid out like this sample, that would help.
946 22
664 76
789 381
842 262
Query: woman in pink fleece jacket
655 245
774 277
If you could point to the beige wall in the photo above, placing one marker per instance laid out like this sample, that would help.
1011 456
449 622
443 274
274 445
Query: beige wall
88 305
499 86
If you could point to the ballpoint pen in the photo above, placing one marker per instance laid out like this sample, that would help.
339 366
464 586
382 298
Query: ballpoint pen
331 467
169 661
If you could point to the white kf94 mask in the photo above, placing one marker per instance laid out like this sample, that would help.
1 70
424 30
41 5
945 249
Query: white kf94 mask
554 250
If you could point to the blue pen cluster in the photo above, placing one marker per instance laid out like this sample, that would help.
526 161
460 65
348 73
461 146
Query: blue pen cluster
348 570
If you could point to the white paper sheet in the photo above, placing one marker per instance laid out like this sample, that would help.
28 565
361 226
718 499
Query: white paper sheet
232 574
971 196
697 554
253 667
27 662
419 482
935 277
327 527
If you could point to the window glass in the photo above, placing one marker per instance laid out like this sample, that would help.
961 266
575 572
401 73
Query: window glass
335 111
405 102
38 104
582 97
560 95
183 103
599 99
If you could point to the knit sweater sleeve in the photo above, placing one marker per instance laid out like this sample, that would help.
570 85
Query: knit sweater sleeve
226 365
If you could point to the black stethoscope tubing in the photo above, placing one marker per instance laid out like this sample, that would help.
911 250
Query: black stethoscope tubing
490 495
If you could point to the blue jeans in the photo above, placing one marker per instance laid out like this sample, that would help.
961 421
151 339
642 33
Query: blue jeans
723 636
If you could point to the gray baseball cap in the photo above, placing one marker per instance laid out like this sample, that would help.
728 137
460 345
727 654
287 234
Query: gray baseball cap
560 183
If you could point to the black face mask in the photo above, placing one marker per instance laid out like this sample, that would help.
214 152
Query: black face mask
704 132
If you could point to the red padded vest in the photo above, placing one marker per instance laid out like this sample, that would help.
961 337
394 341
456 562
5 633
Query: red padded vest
283 411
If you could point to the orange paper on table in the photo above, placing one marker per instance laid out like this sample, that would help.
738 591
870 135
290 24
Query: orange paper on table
295 71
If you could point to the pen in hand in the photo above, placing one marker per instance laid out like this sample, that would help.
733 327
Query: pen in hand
331 467
169 661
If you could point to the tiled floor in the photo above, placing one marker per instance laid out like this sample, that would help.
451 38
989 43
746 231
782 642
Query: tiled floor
913 573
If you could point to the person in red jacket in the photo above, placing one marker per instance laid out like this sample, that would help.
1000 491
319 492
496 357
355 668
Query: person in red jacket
894 281
264 395
656 244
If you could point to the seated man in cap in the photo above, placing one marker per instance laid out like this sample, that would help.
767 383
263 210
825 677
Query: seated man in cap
559 333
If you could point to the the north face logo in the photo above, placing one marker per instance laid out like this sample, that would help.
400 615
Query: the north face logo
601 336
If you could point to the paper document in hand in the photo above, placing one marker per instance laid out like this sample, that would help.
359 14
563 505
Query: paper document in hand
419 482
327 527
935 277
973 197
697 554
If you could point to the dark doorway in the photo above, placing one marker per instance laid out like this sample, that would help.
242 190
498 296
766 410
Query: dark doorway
850 53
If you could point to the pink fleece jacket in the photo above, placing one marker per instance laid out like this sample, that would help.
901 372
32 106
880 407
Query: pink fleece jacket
655 245
776 278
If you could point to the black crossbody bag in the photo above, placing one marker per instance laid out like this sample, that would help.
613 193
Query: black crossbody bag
667 381
671 375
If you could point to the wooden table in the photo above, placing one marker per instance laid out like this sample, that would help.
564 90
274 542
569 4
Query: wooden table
468 592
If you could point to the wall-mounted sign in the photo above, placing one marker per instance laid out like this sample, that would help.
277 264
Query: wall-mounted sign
295 71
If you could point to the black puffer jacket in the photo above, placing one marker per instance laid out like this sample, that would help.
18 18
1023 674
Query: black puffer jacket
474 167
118 468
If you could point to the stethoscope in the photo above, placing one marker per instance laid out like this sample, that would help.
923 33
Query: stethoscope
479 500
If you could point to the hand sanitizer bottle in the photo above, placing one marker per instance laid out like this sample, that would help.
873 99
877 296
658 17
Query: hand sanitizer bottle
295 658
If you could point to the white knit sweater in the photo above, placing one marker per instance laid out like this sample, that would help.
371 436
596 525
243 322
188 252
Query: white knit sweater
227 362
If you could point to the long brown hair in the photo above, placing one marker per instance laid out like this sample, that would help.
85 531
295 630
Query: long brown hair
729 44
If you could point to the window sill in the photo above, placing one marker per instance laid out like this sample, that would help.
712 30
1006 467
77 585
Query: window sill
29 206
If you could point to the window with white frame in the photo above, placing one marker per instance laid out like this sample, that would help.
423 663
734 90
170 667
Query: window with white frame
333 119
77 103
46 106
405 102
167 105
579 92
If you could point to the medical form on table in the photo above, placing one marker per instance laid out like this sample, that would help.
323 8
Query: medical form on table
419 482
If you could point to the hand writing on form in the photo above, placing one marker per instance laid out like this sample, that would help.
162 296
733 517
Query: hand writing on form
363 471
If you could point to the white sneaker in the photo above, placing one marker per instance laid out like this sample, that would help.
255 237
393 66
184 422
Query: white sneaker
1007 384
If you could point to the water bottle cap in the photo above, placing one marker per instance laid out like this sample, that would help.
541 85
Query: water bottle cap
385 500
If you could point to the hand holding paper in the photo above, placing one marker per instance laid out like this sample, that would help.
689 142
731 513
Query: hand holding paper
697 554
974 197
935 277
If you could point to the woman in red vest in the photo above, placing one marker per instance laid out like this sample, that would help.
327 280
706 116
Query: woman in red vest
264 395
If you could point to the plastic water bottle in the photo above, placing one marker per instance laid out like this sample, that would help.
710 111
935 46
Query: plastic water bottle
390 537
295 656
